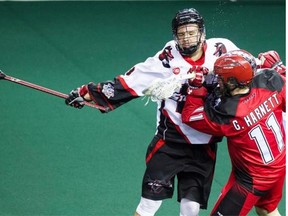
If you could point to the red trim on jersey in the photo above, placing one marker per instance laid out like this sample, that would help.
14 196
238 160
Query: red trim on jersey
197 62
126 87
158 145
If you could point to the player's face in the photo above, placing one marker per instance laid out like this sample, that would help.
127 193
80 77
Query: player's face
188 35
225 86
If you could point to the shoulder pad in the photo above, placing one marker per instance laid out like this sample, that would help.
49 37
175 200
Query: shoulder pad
269 79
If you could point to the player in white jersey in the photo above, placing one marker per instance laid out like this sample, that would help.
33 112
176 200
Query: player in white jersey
176 150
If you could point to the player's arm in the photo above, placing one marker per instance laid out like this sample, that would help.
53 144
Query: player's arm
109 94
123 88
194 115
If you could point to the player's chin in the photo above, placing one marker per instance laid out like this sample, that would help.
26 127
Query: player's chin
186 46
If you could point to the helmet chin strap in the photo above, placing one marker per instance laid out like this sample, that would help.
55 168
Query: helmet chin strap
188 51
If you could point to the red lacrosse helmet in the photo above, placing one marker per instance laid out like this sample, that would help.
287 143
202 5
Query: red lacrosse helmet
238 65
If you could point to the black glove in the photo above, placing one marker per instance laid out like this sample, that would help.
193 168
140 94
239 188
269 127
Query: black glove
210 82
76 97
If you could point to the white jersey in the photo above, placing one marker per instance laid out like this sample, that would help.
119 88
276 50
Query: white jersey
165 63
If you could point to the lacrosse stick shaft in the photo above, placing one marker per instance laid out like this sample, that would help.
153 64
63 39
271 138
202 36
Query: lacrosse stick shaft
47 90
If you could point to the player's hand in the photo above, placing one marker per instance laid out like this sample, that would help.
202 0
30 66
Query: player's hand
76 97
210 82
200 73
271 59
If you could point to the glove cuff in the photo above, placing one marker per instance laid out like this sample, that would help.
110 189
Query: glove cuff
83 90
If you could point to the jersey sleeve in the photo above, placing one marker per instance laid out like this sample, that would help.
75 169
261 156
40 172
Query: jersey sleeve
194 115
128 86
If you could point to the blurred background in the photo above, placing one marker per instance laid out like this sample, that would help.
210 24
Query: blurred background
57 160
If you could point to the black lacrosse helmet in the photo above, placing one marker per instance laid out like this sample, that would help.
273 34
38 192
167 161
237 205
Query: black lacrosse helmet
184 17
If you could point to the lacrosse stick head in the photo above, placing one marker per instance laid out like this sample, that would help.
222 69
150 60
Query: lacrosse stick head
162 89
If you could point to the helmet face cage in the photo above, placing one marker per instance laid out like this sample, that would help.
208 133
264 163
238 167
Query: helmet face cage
184 17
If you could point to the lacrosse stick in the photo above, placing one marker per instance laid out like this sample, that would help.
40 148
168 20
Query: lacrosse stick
46 90
162 89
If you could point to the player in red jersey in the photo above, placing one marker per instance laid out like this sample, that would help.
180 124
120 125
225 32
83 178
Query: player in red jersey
247 109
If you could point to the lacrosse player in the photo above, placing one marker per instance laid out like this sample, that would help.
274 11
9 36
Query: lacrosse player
176 150
247 109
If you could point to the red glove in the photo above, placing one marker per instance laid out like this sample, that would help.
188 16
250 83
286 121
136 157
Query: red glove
199 78
271 59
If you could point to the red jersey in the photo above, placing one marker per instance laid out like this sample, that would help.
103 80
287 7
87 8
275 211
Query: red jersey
253 125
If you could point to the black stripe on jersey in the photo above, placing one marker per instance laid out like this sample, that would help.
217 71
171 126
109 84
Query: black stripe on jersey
268 79
119 95
222 113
